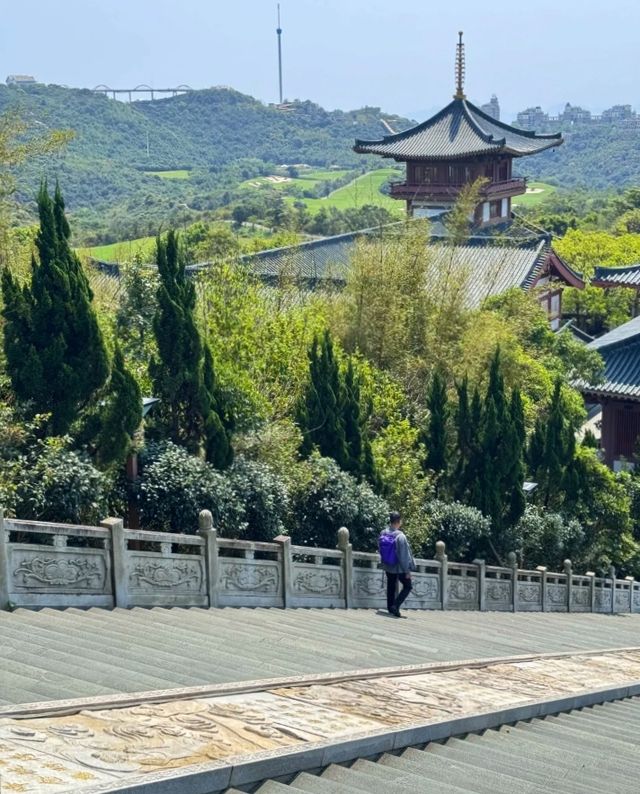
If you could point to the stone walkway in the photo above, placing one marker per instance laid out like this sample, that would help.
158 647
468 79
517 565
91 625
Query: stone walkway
220 736
52 654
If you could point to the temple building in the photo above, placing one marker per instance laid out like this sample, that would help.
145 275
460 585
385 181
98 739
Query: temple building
618 393
454 148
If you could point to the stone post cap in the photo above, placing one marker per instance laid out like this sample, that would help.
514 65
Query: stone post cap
511 559
205 520
478 561
590 573
343 538
542 568
567 565
282 539
440 550
629 578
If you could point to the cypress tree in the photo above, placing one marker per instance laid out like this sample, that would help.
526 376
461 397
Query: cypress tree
56 357
352 420
435 435
122 414
190 412
320 417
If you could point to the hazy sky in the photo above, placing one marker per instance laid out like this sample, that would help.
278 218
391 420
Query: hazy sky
397 54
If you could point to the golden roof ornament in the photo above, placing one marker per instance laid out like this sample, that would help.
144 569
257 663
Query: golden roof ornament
459 94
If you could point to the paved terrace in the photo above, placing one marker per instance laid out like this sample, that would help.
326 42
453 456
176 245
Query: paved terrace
50 654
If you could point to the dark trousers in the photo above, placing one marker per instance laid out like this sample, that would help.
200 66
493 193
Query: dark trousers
395 599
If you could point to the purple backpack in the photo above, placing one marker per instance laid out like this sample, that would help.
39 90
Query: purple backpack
387 548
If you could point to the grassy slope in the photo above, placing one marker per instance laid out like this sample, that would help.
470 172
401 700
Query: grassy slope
532 199
179 174
123 251
363 190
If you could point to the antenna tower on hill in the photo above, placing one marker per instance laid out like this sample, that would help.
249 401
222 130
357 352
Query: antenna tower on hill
279 32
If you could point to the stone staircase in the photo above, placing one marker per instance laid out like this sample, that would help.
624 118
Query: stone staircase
585 751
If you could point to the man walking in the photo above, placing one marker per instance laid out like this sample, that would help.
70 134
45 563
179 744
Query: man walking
397 562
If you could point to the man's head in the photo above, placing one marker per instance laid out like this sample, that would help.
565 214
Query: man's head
395 520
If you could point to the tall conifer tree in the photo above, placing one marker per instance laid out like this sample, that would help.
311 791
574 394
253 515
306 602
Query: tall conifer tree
435 435
189 412
56 356
122 414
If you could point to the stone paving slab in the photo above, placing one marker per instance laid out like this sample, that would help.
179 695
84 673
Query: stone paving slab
224 734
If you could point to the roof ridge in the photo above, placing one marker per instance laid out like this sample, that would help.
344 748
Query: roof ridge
488 137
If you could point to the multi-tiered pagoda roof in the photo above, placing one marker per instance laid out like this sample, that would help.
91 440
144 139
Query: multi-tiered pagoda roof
460 130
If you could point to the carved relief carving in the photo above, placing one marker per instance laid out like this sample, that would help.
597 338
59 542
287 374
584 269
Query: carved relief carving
463 589
254 578
529 593
426 588
622 598
371 584
557 594
580 596
498 591
602 597
167 574
322 582
636 598
60 571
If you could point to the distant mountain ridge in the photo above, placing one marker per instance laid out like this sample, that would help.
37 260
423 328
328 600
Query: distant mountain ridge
222 137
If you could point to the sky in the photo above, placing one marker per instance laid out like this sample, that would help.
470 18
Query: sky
394 54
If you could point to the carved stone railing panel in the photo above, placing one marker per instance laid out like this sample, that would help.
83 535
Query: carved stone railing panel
622 598
636 598
556 597
462 592
250 582
498 589
317 585
602 599
529 596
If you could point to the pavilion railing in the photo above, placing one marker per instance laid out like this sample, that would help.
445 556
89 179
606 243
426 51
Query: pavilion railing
63 565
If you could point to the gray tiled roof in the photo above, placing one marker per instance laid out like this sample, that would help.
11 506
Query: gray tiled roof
617 276
489 265
585 750
458 130
620 349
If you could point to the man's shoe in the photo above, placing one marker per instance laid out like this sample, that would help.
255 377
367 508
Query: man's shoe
395 612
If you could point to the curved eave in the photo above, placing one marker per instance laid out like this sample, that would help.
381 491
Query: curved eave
565 272
488 142
598 395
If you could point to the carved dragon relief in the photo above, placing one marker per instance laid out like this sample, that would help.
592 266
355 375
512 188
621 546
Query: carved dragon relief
166 574
60 571
260 579
529 593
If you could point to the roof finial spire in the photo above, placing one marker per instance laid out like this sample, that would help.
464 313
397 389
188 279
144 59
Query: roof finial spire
459 94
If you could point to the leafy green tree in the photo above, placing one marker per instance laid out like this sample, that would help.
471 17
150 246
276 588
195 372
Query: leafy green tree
56 356
121 415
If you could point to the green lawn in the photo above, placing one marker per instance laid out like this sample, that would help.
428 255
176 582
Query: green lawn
123 251
363 190
305 179
180 174
536 192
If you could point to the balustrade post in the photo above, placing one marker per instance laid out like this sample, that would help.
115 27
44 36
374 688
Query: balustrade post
119 570
444 566
569 574
612 574
211 561
482 576
347 565
543 587
631 580
592 589
286 570
4 564
512 562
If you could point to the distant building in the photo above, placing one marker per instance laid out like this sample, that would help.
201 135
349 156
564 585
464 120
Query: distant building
574 114
492 108
20 79
532 118
618 113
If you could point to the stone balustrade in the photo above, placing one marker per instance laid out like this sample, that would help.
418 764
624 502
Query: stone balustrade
62 565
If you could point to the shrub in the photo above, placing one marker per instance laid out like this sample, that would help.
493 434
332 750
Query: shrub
175 486
329 498
264 498
56 484
547 538
462 529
